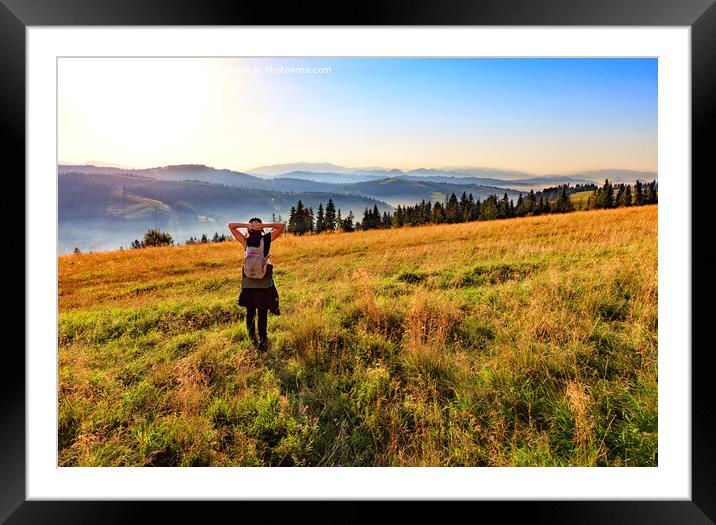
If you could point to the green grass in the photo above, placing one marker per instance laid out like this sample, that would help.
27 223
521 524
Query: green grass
529 342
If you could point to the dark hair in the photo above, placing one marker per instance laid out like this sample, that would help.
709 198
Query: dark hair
256 219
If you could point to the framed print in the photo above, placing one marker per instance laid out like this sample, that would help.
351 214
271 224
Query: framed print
484 239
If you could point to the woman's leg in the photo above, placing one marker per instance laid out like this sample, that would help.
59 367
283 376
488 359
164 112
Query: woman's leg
250 324
263 322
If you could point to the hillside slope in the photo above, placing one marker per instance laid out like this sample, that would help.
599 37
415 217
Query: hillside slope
517 342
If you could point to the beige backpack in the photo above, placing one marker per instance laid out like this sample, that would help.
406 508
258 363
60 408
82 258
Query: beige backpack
255 262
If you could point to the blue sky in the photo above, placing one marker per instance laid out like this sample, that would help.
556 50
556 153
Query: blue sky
540 115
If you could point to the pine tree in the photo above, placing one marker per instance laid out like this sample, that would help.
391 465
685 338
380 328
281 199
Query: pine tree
619 197
365 223
638 194
489 209
438 216
608 194
464 207
531 203
452 209
339 220
385 221
397 221
292 220
330 216
310 225
320 224
348 222
301 219
476 210
626 198
376 217
467 214
503 207
563 203
427 213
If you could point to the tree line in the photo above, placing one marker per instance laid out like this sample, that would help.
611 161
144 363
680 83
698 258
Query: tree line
466 208
618 195
155 237
302 220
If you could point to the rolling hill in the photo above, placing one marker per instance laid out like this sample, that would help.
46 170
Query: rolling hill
105 211
535 343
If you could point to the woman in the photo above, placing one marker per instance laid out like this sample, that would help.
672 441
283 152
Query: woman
258 295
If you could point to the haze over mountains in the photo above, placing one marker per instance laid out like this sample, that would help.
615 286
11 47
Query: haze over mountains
104 207
326 172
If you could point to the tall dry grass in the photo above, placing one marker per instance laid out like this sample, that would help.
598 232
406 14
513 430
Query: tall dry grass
516 342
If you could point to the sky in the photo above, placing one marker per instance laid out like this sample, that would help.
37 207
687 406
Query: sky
538 115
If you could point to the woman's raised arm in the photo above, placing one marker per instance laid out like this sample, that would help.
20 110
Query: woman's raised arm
234 229
277 230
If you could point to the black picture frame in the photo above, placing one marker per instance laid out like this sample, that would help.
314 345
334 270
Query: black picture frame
699 15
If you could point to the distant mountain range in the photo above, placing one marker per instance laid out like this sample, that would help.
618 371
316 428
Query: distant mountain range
100 211
104 207
523 181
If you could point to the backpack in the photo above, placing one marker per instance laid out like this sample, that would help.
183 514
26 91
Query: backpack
255 261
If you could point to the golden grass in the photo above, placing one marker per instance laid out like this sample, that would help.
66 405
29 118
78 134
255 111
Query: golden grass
516 342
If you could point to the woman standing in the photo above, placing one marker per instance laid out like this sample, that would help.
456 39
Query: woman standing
259 296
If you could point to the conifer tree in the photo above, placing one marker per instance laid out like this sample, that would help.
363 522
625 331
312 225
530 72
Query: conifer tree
608 194
438 216
301 225
310 225
476 210
638 194
464 205
397 221
626 198
531 202
427 213
385 221
503 207
320 224
489 209
619 197
348 222
467 214
452 209
365 223
330 216
292 220
375 222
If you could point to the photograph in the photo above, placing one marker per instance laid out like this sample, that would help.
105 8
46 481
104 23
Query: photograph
357 261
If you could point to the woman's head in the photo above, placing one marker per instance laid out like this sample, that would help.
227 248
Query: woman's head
256 224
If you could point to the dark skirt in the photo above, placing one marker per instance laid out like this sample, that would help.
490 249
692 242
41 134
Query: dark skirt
262 298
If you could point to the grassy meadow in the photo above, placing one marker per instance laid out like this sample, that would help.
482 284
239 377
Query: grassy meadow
519 342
